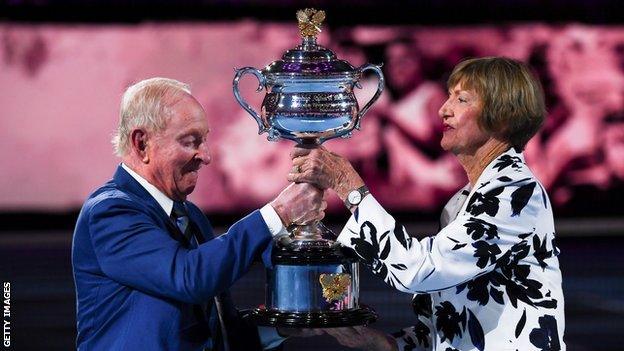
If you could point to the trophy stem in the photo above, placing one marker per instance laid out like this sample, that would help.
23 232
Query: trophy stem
309 143
311 231
309 43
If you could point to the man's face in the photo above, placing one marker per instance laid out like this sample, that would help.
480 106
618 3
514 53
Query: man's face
460 113
178 152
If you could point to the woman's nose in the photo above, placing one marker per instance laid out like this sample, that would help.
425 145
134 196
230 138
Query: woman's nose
444 110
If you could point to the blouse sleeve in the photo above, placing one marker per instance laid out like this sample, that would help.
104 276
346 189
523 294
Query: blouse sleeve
498 219
416 337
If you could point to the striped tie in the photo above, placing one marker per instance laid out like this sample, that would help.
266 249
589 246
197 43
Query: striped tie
181 218
179 214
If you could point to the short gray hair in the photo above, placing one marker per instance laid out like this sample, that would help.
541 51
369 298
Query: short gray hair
145 105
513 99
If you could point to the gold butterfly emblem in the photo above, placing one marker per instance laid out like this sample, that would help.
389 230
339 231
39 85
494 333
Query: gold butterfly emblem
310 21
335 286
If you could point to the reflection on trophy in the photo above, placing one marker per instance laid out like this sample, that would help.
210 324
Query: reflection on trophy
310 99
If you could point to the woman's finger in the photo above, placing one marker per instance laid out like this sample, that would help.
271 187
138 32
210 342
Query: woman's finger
298 151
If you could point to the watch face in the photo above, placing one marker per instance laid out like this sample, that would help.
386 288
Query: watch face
355 197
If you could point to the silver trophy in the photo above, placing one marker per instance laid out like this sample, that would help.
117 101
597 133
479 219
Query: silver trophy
310 99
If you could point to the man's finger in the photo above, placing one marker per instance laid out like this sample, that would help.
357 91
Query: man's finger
297 178
294 177
300 160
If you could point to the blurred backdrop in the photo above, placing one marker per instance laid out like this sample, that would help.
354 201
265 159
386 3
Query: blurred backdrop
65 64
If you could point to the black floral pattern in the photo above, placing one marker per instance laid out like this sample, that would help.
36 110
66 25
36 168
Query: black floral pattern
481 289
521 324
485 203
476 331
410 343
515 277
423 334
509 278
449 322
420 331
402 237
421 304
485 253
520 198
505 161
369 250
546 336
477 228
458 245
554 246
540 252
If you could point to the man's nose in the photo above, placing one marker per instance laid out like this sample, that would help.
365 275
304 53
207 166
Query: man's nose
204 154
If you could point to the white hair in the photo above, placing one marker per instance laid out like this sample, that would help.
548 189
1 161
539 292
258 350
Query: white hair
145 105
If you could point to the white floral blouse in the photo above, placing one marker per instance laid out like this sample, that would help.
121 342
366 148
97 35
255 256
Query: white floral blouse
489 280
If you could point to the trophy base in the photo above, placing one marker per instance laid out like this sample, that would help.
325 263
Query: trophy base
314 319
313 283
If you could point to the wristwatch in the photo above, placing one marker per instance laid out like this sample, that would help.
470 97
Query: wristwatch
355 196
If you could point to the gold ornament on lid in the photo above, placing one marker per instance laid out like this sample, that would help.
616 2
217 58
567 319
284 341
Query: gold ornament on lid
310 21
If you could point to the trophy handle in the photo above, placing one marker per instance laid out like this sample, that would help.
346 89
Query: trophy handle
261 83
380 87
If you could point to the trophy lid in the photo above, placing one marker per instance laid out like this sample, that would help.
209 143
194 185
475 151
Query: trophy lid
310 59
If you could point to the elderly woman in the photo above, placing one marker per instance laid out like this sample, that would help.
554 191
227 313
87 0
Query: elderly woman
490 278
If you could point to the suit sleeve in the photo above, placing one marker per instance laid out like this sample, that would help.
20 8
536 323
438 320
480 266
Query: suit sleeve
498 220
133 250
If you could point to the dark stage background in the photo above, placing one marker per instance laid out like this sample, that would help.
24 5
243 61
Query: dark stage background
64 65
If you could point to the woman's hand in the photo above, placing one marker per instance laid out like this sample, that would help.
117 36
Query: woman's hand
363 338
324 169
299 332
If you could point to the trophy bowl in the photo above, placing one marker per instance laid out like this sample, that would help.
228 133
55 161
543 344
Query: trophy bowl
309 94
309 99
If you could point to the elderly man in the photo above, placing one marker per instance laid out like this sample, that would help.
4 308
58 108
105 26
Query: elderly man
149 275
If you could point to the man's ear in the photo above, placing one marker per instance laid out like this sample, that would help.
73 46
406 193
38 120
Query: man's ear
139 143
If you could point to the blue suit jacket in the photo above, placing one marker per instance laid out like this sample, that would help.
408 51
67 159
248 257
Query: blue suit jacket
138 285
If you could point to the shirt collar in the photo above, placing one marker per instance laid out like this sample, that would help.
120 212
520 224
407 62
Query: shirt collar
165 202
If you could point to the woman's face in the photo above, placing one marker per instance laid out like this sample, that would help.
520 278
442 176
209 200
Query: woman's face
461 132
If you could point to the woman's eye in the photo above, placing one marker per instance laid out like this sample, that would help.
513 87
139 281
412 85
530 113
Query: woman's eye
461 99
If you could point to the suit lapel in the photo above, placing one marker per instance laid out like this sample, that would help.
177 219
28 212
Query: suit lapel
125 182
176 233
194 216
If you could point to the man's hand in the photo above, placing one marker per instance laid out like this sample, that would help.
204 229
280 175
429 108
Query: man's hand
324 169
363 338
300 204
